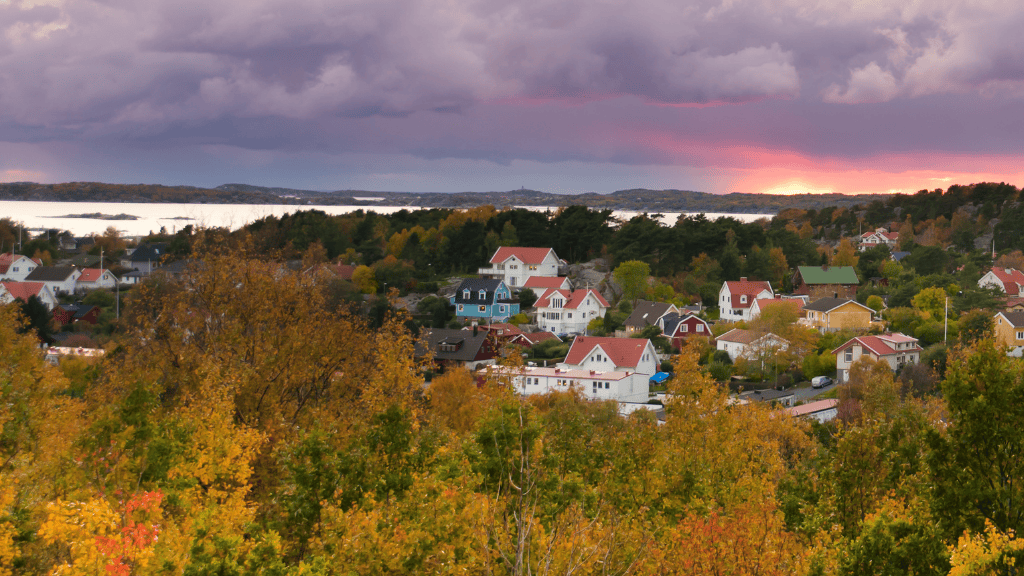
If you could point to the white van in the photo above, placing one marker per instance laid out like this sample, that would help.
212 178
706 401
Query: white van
820 381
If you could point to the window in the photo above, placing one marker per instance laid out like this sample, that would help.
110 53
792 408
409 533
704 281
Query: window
849 355
1020 334
512 280
606 385
686 328
460 307
570 314
743 299
483 308
483 294
15 269
502 308
700 327
533 267
465 294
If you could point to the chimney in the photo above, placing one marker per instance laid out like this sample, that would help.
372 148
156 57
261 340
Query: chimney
743 278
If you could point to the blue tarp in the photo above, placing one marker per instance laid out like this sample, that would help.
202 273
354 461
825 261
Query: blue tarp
659 377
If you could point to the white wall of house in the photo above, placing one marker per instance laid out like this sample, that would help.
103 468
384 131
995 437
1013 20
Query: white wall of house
66 286
515 272
19 269
729 304
561 320
990 280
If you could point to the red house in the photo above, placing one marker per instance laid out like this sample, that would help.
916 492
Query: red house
678 328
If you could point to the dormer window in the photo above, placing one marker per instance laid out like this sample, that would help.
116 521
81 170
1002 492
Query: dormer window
465 294
743 299
483 294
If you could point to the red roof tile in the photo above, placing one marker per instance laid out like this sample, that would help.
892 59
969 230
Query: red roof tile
23 290
748 288
883 345
544 282
91 274
526 255
577 297
1010 278
622 351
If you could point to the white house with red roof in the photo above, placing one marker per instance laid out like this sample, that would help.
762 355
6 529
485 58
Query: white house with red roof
1007 280
897 349
11 291
598 368
880 237
16 267
93 278
515 265
541 283
736 297
532 338
565 312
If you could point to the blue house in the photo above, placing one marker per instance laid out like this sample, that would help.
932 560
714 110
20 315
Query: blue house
486 299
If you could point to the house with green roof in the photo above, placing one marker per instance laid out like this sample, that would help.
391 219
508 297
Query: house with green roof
826 281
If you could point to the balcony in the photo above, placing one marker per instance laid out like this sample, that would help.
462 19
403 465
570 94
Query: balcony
497 271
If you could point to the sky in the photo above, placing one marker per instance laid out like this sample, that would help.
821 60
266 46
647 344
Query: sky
564 96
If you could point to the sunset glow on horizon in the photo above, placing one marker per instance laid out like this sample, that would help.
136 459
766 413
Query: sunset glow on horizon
568 96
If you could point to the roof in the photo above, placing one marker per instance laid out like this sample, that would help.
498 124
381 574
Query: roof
572 299
738 335
534 338
749 288
50 273
475 285
646 313
526 255
828 274
468 344
829 304
77 310
882 345
673 320
1016 319
91 275
85 260
897 256
813 407
544 282
149 252
621 351
22 290
343 271
1010 278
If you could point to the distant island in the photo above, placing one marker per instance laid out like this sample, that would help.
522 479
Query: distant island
636 200
98 216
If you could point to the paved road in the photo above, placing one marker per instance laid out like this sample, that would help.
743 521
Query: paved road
804 392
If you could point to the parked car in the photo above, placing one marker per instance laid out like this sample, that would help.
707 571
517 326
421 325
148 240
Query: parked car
820 381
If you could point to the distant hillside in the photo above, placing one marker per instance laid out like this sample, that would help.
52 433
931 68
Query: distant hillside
637 199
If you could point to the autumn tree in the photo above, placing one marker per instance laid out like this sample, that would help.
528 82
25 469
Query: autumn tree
976 462
846 254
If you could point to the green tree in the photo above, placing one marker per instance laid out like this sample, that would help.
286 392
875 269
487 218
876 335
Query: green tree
977 464
632 277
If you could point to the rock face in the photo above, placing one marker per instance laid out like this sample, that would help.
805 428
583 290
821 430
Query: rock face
595 274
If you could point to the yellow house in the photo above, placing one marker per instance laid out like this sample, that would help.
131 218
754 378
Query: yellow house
1010 329
833 314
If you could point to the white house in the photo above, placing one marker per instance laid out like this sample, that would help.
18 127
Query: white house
739 343
11 291
736 297
59 279
880 237
565 312
16 267
93 278
1006 280
635 356
597 385
599 368
515 265
897 349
